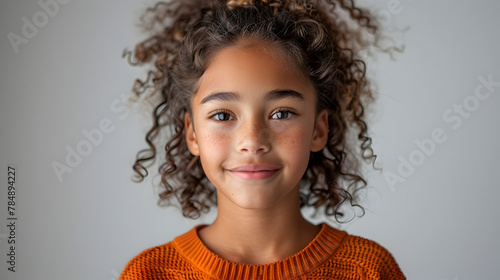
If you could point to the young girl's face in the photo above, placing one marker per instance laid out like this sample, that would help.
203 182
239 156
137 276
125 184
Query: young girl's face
253 125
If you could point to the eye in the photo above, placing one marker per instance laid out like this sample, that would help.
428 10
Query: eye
282 114
222 116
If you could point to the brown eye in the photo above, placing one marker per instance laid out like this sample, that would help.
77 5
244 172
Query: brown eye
222 116
282 114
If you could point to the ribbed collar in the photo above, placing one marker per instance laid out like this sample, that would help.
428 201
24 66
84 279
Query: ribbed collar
321 248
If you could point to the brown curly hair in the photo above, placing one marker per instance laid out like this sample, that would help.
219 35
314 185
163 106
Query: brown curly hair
323 38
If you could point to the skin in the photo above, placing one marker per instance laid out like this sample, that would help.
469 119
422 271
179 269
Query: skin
254 124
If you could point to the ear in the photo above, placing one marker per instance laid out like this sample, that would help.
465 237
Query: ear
320 134
191 141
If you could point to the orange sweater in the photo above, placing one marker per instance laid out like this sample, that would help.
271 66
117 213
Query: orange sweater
333 254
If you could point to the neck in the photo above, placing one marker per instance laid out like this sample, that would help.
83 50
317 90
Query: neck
258 236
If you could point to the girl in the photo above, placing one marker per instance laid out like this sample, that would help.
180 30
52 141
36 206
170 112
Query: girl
262 99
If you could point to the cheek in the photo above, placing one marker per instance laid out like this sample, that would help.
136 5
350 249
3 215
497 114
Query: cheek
213 145
294 150
294 142
213 151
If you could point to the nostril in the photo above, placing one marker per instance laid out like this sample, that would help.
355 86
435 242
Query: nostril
254 144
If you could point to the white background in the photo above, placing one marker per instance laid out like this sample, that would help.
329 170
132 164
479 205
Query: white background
440 223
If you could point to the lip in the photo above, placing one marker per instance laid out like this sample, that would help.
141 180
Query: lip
254 171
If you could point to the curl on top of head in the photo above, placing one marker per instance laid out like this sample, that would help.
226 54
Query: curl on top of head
323 38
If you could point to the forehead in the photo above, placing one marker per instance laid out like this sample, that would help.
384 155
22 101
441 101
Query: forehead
274 51
253 65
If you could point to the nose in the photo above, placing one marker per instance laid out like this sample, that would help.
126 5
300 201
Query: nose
254 137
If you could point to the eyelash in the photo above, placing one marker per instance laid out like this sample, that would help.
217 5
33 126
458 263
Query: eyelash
219 112
226 113
288 111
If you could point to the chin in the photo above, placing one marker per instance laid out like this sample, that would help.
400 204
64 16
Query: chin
256 201
257 196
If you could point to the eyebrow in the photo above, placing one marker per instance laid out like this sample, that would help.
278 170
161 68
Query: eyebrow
281 94
221 96
273 95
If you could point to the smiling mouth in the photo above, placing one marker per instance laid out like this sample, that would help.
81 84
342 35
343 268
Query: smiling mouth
254 172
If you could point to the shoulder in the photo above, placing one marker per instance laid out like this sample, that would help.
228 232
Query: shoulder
161 262
150 262
361 248
371 259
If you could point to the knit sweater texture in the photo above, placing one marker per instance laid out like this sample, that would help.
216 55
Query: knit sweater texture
333 254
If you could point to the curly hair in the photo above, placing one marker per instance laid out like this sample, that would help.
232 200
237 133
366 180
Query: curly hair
323 38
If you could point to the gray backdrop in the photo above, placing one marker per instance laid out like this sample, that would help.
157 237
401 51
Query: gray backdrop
63 107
